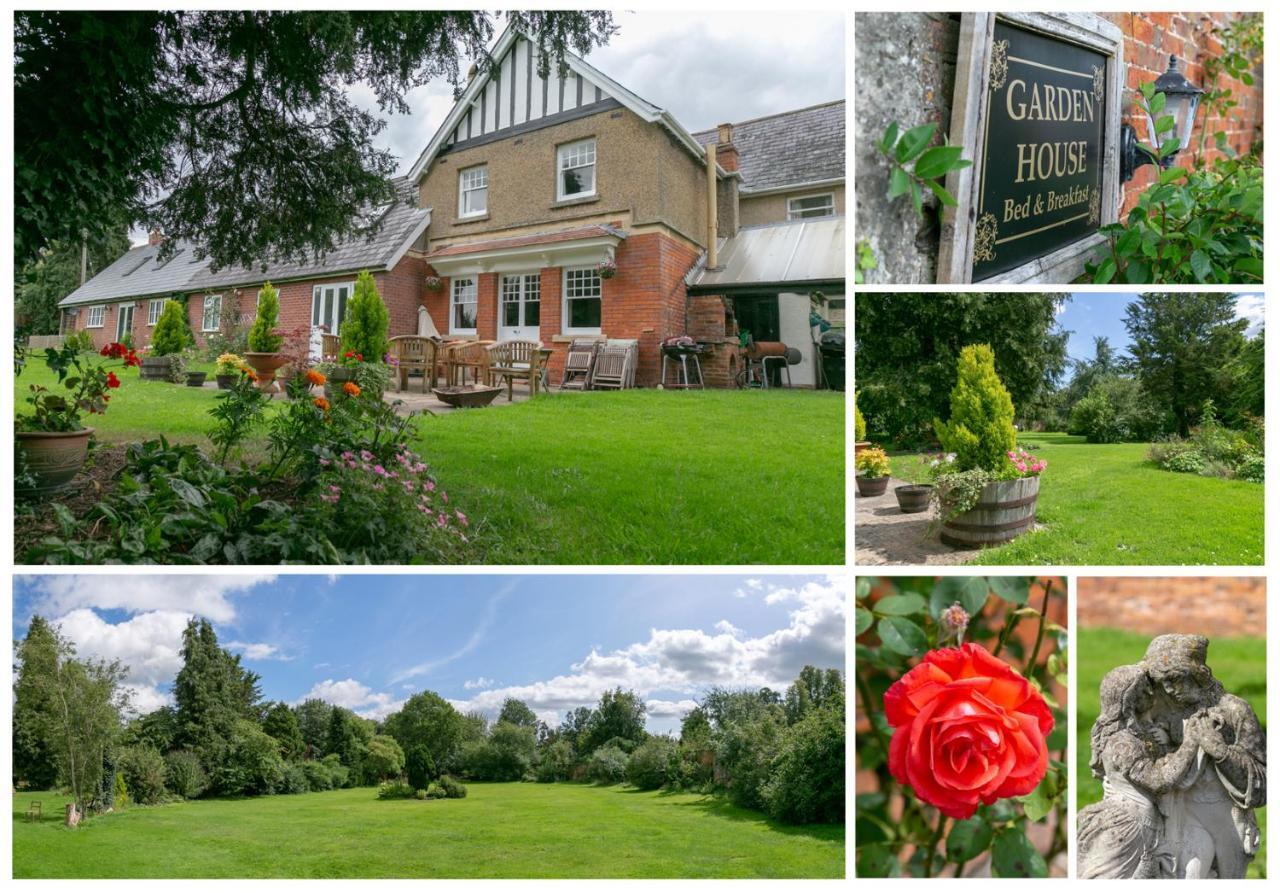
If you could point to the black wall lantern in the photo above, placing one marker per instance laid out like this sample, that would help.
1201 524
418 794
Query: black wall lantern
1181 97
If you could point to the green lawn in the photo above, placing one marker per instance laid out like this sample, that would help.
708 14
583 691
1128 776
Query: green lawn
1105 504
499 831
1240 664
634 477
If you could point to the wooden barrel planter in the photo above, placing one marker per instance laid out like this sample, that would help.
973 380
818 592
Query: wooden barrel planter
1005 510
155 368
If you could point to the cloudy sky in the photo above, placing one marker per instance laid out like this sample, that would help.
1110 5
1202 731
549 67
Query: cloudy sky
368 642
1102 313
704 67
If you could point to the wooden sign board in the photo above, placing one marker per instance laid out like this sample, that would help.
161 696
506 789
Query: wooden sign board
1038 112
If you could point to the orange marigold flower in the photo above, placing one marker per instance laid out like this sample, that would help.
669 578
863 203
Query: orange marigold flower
249 373
315 377
322 403
351 389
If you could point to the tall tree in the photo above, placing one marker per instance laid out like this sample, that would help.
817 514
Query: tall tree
573 728
430 722
517 712
313 723
212 691
907 349
35 756
814 689
232 129
281 723
158 729
1185 348
54 272
620 714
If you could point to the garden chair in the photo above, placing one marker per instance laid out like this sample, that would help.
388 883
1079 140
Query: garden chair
35 811
414 355
464 356
614 369
330 345
579 360
509 360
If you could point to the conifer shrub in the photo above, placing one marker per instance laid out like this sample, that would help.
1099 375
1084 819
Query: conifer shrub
364 329
169 337
263 337
980 431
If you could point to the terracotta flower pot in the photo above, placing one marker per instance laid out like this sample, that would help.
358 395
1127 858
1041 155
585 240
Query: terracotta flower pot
860 445
872 486
265 366
53 458
913 498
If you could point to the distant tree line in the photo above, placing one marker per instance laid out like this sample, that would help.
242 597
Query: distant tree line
778 752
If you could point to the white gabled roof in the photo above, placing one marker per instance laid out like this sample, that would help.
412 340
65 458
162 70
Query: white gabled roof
634 103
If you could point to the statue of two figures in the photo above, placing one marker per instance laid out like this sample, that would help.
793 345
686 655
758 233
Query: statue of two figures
1183 765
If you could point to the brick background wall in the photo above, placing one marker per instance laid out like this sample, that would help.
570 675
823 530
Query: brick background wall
1209 606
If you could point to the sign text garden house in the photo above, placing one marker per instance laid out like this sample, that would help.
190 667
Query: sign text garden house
552 209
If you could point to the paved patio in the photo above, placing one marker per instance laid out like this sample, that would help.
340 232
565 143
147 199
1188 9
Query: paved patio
414 400
884 535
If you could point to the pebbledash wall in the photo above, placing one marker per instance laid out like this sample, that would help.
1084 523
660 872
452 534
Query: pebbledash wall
904 71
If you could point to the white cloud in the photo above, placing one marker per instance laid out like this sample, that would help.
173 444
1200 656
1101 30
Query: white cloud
149 645
481 682
1251 308
205 595
688 661
477 636
355 696
258 650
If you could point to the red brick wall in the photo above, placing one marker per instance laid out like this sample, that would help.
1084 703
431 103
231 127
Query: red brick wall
402 290
487 306
1150 38
1207 606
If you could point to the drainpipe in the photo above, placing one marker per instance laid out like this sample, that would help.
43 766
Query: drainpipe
712 260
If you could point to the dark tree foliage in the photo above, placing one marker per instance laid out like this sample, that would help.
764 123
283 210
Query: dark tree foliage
726 707
35 759
907 348
232 129
517 713
212 692
1185 350
54 273
1250 372
695 728
574 726
281 723
313 723
430 722
619 715
346 737
157 729
813 689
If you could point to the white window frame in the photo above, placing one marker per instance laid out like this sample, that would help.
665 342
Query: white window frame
340 311
794 213
473 292
565 327
528 290
467 186
217 313
154 309
97 317
568 157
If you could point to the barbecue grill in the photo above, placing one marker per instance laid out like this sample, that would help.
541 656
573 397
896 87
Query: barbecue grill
680 350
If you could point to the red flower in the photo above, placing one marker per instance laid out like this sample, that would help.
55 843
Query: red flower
132 359
112 381
321 404
351 389
967 729
349 355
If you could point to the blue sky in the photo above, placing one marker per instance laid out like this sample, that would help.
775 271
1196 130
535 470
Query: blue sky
1102 313
369 641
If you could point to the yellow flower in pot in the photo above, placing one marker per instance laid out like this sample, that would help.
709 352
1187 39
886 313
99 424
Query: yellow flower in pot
872 471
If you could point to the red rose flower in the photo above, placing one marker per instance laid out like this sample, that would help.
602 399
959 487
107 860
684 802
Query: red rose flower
349 355
112 381
967 729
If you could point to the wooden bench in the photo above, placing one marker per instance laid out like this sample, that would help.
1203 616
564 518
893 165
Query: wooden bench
509 360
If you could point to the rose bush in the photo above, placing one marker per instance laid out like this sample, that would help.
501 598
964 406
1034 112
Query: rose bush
968 729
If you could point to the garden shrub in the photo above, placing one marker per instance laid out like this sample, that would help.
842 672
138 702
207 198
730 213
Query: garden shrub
980 431
506 755
383 757
859 423
435 791
79 340
420 794
396 790
294 779
144 773
263 337
650 763
318 776
1116 410
555 762
254 764
453 789
608 765
120 799
745 752
419 767
185 776
1252 468
339 775
806 782
364 328
169 336
1175 454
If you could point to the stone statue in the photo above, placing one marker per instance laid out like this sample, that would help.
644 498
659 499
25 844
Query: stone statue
1183 765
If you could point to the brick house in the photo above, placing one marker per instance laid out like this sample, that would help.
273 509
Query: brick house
527 186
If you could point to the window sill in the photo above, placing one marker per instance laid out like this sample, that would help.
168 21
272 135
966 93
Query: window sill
475 218
577 335
576 200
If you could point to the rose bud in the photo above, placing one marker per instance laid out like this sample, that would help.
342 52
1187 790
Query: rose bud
968 729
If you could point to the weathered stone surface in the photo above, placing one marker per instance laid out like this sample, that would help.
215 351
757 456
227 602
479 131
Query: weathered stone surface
1183 765
904 70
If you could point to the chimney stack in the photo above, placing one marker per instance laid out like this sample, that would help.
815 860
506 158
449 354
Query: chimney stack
155 238
726 151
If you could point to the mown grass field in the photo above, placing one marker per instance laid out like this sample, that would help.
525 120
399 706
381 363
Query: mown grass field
1106 504
634 477
1240 664
499 831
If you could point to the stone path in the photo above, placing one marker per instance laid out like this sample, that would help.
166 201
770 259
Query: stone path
884 535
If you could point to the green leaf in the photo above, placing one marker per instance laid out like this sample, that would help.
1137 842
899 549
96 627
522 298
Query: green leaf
877 860
915 197
1201 265
890 137
899 182
1039 803
913 142
970 592
1250 266
1155 105
862 620
862 587
187 492
941 192
899 605
1106 271
968 839
1012 855
902 636
1011 589
937 161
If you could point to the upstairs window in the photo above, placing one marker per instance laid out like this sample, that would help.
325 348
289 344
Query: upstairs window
576 170
462 310
473 191
808 206
582 301
154 309
212 317
96 316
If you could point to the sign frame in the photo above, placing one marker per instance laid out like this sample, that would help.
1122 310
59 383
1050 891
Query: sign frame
968 126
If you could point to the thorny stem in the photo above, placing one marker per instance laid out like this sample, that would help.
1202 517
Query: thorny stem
1044 610
864 692
1009 623
933 845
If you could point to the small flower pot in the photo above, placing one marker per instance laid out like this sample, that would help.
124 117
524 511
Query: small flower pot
225 381
860 445
872 486
53 458
265 366
913 498
155 368
196 379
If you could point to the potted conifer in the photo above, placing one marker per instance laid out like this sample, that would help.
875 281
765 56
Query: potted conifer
264 354
364 345
168 341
